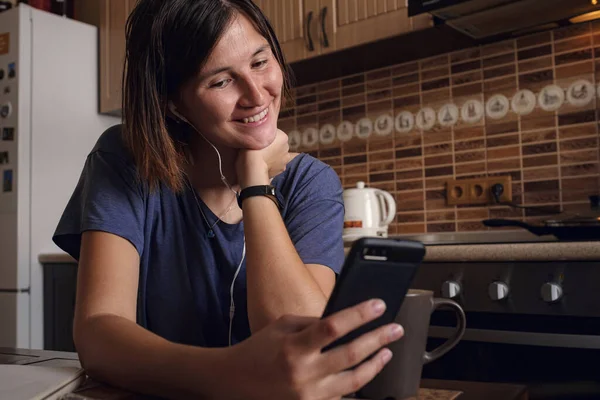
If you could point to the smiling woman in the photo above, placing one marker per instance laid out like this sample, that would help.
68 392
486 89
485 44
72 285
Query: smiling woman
205 248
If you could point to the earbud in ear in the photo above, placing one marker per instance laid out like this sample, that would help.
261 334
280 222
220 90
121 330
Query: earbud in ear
173 110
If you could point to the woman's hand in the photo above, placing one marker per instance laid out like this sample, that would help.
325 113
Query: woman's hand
257 167
284 360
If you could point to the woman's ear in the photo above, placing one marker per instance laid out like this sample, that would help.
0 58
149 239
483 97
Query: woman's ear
173 110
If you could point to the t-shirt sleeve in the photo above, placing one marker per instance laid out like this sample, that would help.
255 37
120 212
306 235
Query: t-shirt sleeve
315 220
108 197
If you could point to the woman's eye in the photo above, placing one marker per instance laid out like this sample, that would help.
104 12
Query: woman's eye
220 84
259 64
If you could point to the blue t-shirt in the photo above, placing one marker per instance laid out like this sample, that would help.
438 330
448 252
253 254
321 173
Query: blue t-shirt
185 276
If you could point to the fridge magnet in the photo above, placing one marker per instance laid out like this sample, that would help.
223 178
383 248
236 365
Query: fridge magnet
8 134
7 181
5 109
12 70
4 43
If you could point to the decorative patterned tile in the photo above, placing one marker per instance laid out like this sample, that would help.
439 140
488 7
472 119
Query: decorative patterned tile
499 71
446 215
357 89
498 48
435 73
540 173
534 52
465 55
470 226
532 40
471 168
574 56
405 68
410 217
552 157
441 227
409 185
572 44
535 64
464 67
571 31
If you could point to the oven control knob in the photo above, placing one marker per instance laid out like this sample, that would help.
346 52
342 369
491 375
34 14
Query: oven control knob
451 289
498 291
551 292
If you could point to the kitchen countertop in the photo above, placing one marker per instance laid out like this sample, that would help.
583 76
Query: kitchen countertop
56 258
433 389
444 251
501 252
500 246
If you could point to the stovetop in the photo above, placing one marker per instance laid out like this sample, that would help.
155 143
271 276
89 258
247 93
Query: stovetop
497 237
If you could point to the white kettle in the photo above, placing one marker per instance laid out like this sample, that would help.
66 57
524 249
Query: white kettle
368 212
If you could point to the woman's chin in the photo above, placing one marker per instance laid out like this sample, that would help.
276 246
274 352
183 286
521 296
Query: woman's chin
259 141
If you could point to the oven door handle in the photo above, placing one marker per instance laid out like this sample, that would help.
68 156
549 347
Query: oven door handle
523 338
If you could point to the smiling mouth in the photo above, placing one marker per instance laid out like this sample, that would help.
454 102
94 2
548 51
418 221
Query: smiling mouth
255 118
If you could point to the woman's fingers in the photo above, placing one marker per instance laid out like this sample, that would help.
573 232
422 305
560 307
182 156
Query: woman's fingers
335 326
351 381
353 353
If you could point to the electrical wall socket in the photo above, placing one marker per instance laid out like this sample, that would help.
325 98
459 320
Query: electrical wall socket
477 190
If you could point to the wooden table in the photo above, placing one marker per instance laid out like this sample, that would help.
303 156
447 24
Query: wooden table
94 391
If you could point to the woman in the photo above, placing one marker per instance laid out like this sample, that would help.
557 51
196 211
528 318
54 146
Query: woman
169 275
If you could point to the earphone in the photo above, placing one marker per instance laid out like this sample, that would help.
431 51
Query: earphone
174 111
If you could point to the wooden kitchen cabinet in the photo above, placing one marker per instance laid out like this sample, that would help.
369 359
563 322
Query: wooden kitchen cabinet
305 29
113 17
350 23
294 24
110 16
308 28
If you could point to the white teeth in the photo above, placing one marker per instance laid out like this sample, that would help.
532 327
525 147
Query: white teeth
257 117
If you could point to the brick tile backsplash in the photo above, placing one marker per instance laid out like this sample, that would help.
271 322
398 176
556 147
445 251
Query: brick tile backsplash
551 151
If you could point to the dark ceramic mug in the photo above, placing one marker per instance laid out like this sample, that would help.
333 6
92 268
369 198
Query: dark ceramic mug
401 377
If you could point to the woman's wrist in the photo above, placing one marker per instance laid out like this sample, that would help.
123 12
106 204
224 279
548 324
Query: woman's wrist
202 369
253 173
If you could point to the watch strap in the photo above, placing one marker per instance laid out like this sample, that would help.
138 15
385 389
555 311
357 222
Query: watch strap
260 190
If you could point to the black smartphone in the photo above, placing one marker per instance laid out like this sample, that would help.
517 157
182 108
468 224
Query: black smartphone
382 268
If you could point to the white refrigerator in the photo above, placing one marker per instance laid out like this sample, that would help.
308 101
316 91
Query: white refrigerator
49 122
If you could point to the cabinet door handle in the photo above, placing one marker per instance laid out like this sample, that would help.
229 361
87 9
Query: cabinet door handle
309 44
324 39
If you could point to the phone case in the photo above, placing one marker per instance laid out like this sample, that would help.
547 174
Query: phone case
380 268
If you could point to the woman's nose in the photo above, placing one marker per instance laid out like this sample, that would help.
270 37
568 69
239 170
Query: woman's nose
252 95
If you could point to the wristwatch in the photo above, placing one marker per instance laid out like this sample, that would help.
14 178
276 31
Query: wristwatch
261 190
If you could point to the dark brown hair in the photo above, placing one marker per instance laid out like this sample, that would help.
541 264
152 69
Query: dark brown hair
167 42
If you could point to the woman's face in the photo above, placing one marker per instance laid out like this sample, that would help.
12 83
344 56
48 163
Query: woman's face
235 99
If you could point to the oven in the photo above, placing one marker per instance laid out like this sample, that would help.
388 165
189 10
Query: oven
534 323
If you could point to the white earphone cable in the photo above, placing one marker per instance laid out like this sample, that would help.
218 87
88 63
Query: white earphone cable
231 302
239 267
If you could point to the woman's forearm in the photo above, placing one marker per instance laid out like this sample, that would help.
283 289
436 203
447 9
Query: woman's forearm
278 282
119 352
